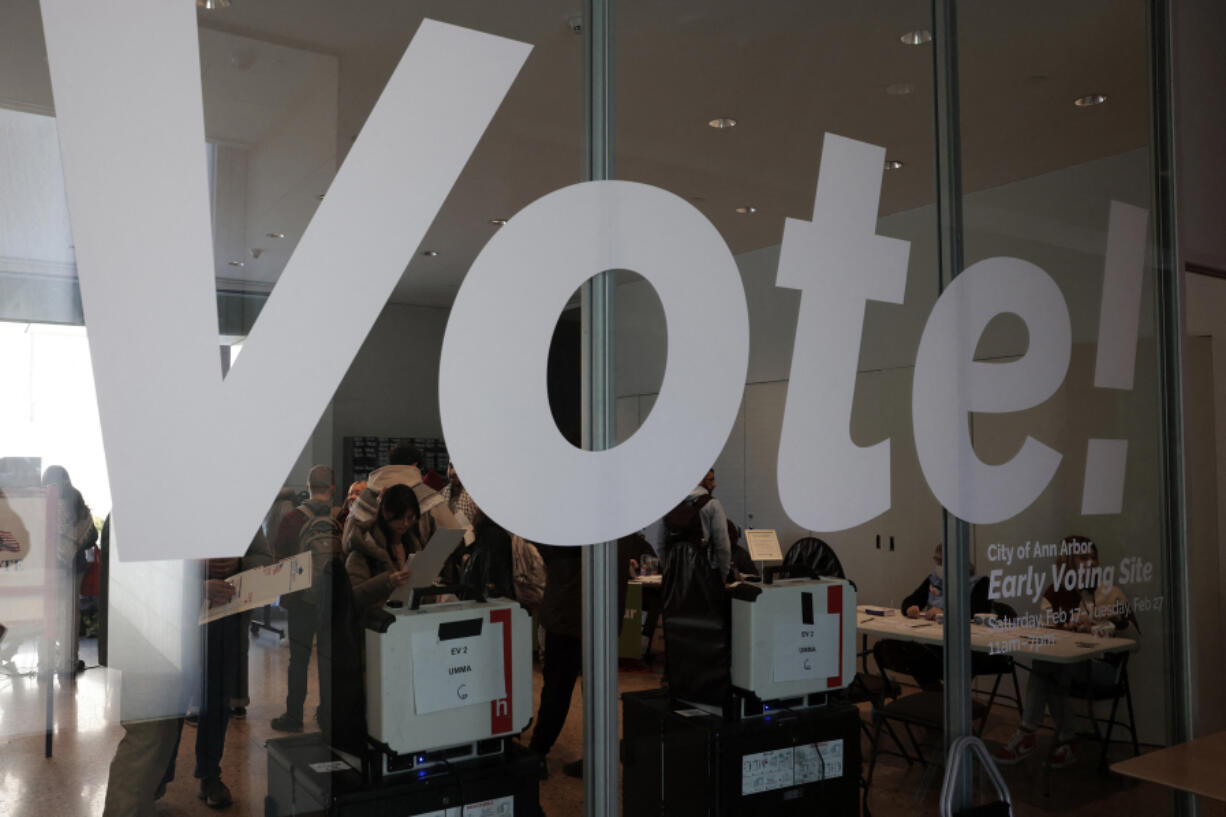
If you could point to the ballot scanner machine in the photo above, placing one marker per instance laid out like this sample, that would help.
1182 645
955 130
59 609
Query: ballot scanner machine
446 686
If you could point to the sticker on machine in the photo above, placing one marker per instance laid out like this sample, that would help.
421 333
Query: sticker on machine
498 807
330 766
805 652
819 761
766 771
451 673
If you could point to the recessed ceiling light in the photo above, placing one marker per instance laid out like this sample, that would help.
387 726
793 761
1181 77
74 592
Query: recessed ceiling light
1090 100
918 37
275 235
213 5
498 221
320 197
721 122
747 209
893 164
237 264
429 253
899 89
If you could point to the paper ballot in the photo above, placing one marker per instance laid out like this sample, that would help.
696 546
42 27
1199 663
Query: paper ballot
261 585
427 564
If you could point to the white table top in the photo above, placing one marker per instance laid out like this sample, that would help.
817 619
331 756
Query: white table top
1060 646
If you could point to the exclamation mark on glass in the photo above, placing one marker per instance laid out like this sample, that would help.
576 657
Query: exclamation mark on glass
1118 317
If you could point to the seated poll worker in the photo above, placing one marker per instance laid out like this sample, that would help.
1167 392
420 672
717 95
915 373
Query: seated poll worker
377 563
1096 607
928 602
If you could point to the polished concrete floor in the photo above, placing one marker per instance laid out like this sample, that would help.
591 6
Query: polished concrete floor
72 782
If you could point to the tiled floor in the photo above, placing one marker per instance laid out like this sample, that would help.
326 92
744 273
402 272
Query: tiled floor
72 783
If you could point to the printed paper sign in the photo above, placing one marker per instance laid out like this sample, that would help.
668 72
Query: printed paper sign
457 672
763 545
498 807
809 768
260 586
807 651
766 771
329 766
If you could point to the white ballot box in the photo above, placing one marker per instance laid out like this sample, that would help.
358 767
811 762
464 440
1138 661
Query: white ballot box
443 682
793 637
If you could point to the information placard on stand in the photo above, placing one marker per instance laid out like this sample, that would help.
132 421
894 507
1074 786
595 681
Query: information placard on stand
763 546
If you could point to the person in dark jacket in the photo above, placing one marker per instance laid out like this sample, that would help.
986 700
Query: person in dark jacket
928 601
561 615
489 567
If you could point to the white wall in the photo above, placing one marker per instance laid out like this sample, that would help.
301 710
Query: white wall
391 390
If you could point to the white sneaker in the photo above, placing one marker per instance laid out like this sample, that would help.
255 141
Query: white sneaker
1019 747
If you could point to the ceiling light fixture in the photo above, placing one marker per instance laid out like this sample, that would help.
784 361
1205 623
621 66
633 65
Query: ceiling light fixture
918 37
748 209
498 221
899 89
275 235
429 253
213 5
721 122
237 264
893 164
1090 100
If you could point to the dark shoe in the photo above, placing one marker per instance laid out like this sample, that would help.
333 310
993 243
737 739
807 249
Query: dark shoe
287 723
574 769
239 712
214 793
160 791
192 719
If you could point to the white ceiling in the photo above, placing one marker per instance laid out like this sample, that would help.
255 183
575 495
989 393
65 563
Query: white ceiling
787 71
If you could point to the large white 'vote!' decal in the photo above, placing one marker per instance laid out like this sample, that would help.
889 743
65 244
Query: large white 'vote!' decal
194 460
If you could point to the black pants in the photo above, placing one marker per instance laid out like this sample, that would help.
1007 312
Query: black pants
220 668
563 663
303 624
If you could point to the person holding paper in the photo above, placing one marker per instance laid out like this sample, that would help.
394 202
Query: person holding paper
378 562
403 468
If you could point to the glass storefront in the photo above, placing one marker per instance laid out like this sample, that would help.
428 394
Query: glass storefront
908 435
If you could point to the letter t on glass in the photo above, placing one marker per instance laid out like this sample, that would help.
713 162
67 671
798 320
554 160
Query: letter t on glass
839 263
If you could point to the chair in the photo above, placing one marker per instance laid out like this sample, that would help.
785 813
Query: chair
924 709
1087 690
810 556
998 665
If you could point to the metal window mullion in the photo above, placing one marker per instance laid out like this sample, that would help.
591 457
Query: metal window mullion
1168 315
956 532
600 756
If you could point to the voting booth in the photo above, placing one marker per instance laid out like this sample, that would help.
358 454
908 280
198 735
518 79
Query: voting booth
683 761
447 681
793 638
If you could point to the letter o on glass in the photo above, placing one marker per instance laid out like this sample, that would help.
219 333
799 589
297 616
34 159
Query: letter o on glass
492 383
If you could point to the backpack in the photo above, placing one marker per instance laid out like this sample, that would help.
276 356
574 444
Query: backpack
684 522
529 573
321 537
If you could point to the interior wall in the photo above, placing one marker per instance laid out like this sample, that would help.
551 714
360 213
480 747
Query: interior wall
391 389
